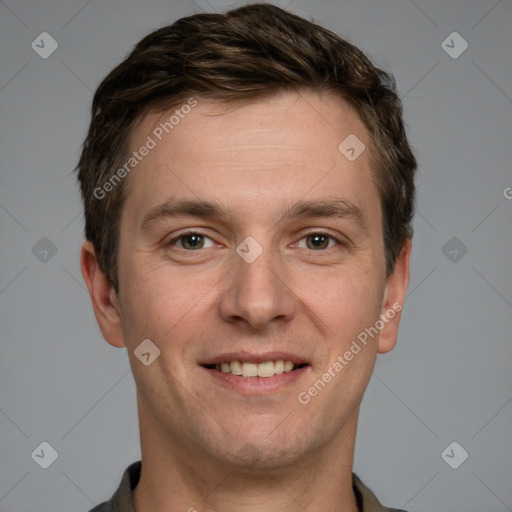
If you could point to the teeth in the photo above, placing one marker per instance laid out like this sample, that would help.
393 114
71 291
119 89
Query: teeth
288 366
236 367
266 369
249 370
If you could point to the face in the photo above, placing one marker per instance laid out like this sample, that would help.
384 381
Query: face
250 243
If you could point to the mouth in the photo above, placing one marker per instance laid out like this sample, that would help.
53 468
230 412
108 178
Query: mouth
256 374
265 369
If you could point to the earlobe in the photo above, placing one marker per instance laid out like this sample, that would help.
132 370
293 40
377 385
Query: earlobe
394 296
103 297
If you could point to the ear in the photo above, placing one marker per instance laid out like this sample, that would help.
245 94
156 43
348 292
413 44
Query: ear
394 296
103 296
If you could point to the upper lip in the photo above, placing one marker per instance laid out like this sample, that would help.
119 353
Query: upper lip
251 357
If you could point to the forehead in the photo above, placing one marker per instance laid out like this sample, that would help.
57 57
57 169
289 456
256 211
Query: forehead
268 152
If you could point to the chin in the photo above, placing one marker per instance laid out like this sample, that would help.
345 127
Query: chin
258 451
255 457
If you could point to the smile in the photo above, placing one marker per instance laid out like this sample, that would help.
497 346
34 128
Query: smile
265 369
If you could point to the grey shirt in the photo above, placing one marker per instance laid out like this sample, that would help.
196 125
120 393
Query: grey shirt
122 500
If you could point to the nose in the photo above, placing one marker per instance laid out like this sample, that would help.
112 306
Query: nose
257 294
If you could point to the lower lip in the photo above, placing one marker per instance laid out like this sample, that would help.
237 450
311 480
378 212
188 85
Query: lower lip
257 385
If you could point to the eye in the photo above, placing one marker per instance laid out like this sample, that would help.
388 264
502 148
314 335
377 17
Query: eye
319 241
192 241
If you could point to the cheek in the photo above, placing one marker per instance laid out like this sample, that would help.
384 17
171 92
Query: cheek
169 308
350 357
345 300
150 306
347 304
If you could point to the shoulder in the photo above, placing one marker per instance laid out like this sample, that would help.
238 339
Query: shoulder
367 501
122 500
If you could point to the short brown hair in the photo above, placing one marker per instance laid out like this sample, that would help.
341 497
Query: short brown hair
246 54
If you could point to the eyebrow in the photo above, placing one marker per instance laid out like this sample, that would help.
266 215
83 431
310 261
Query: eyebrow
319 208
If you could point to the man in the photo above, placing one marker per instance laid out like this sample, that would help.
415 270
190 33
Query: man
248 192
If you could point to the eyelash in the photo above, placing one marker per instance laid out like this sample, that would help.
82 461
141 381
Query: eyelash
323 233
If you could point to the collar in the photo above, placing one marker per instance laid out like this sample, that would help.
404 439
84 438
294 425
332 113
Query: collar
122 500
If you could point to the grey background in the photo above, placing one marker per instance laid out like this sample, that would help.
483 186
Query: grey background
449 377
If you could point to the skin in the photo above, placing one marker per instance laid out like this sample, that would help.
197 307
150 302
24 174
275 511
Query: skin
205 445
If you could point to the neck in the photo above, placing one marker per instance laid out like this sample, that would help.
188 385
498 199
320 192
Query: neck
175 476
